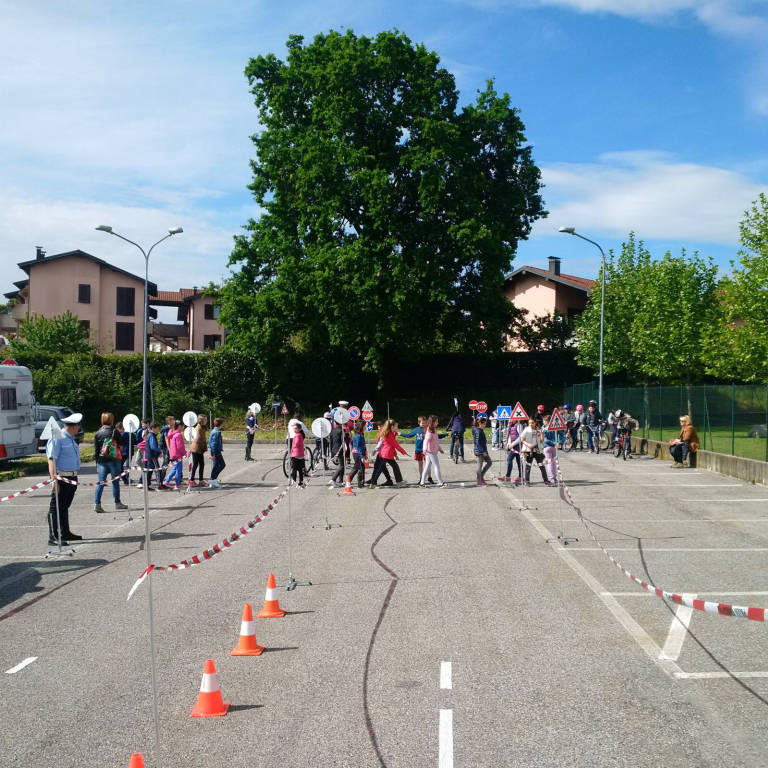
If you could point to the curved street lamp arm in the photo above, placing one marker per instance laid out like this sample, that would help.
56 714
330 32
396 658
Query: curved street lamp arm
144 253
576 234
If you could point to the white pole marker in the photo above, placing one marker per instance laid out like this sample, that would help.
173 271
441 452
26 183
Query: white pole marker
445 753
446 676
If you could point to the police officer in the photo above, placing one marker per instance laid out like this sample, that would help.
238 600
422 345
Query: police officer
65 452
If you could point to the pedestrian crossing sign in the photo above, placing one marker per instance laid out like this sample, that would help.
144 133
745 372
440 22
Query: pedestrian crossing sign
504 412
555 421
518 413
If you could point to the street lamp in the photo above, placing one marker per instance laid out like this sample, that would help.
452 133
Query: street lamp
147 535
572 231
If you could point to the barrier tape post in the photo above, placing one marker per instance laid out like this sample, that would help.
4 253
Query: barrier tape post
561 537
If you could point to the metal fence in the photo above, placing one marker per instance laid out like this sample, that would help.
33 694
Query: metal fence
729 418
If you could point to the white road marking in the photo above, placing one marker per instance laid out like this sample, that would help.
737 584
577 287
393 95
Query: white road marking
636 632
702 594
677 632
20 666
446 676
646 521
663 549
724 501
445 753
717 675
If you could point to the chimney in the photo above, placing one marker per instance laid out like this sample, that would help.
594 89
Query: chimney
40 255
554 265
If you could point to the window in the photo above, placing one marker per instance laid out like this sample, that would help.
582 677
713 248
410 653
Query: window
211 311
83 293
124 336
85 324
212 341
7 398
126 300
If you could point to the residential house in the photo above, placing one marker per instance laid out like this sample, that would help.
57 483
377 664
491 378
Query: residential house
198 327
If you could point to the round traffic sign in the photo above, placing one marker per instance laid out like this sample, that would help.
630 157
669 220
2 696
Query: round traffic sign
367 415
189 434
189 418
255 407
321 428
354 412
481 406
131 422
341 416
472 405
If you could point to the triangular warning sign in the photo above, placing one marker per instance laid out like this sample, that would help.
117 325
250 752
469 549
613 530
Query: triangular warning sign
367 406
52 430
518 412
555 422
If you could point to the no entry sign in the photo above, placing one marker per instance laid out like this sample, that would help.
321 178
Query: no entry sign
473 405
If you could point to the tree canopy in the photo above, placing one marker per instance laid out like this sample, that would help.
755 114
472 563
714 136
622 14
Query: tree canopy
389 216
61 334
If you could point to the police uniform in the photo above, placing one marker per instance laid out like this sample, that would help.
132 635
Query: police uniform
66 454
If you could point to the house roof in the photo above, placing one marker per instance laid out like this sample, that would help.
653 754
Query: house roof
27 265
174 298
579 283
20 285
170 330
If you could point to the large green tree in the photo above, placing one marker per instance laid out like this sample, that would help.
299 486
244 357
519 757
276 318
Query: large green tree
62 334
737 339
389 216
656 314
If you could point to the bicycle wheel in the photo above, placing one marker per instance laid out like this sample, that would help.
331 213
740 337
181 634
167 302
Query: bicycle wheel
309 459
605 440
287 463
568 444
616 448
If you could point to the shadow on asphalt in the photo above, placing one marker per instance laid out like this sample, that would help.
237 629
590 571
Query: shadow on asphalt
25 577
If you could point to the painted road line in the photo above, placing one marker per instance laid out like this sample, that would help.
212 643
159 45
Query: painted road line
677 632
635 631
702 594
445 753
20 666
446 676
648 521
723 501
717 675
663 549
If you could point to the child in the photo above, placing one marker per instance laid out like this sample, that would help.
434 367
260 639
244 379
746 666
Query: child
456 427
215 449
176 453
431 449
530 441
418 443
550 452
513 453
389 445
481 449
495 432
197 449
152 453
165 430
379 466
297 455
359 454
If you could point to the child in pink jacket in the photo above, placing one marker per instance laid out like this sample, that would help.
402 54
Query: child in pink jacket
176 453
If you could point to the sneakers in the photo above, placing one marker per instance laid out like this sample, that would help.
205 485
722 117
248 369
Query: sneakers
442 485
120 505
99 509
214 483
481 482
678 465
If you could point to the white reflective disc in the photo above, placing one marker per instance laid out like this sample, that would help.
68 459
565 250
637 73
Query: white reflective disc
255 407
189 434
341 416
189 418
131 422
321 428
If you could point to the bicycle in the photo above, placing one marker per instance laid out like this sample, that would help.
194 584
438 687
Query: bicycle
309 461
623 445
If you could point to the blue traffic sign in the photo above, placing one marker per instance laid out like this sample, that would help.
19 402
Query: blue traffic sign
504 412
369 426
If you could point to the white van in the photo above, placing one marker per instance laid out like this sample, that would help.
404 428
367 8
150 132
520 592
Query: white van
17 422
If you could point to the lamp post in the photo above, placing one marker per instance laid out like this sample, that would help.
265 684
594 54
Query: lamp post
147 533
572 231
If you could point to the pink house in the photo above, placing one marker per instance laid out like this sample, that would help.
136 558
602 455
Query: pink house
107 300
198 328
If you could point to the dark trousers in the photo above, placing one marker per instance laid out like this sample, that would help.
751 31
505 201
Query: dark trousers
248 445
66 493
358 470
339 476
153 465
457 443
530 457
218 465
198 465
297 469
682 451
380 466
512 457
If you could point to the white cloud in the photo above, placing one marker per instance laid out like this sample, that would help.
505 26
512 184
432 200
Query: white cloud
650 193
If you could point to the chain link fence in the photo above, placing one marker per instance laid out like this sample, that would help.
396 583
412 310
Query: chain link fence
729 418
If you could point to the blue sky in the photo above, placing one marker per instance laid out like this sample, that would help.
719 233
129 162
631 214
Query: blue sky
644 115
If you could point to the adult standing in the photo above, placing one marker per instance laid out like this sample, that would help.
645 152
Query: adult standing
63 460
251 425
197 449
107 445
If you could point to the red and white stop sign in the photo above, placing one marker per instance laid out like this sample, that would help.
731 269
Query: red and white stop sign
367 415
472 405
482 407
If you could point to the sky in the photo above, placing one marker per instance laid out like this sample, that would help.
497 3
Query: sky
644 115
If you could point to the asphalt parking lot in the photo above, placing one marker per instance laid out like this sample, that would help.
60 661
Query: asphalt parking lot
441 627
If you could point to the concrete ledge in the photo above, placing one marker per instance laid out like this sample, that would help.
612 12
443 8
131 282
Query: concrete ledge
749 470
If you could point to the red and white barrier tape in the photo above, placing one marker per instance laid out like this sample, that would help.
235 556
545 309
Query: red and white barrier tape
34 487
221 546
69 481
707 606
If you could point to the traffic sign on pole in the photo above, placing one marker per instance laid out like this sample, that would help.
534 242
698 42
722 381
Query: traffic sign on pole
555 422
473 405
518 413
483 407
367 415
354 412
367 406
504 412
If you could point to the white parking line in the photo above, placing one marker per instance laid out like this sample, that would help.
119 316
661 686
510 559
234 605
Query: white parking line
445 753
717 675
702 594
677 632
20 666
446 676
664 549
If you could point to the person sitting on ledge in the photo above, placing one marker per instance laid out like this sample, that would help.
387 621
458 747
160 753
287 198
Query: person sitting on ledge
685 445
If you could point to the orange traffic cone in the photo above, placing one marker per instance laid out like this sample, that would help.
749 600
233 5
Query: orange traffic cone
347 488
247 645
209 702
137 761
271 609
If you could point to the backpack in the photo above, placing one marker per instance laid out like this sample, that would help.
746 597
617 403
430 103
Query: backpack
111 448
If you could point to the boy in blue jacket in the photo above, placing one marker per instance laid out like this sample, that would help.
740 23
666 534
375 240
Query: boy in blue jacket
215 447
